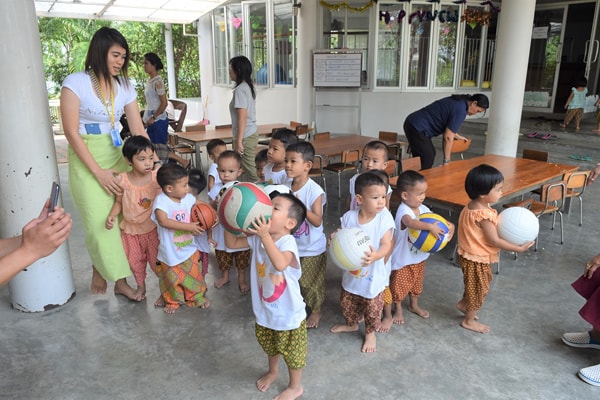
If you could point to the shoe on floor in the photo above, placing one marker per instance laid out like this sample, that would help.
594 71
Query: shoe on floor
591 375
582 340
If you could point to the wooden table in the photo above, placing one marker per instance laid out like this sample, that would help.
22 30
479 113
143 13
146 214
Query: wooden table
198 138
446 183
335 146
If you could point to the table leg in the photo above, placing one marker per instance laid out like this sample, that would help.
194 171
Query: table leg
198 156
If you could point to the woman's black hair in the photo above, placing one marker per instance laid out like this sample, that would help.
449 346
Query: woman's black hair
481 180
155 60
243 72
101 42
481 99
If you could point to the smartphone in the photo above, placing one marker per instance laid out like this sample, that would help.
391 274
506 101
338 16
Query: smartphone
54 194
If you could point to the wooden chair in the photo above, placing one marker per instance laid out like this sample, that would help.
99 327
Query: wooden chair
317 171
576 184
537 155
460 146
551 202
394 150
302 132
349 162
321 136
412 163
195 128
177 124
392 171
226 126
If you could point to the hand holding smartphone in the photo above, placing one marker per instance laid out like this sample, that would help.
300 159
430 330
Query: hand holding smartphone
54 194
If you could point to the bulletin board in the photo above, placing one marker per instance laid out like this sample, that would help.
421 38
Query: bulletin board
337 69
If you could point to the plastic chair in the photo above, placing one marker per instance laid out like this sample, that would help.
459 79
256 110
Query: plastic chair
177 124
576 184
349 162
460 146
411 164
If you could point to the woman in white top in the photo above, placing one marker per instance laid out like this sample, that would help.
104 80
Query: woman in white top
92 102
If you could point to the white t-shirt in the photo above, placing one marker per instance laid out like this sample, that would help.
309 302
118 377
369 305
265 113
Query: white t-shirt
242 98
276 299
91 109
213 171
310 239
175 246
370 280
351 186
404 252
276 178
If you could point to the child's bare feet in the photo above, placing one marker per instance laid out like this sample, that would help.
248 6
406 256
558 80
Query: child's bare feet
206 304
419 311
313 320
596 130
289 394
243 286
563 126
98 285
475 326
385 325
337 328
123 289
221 282
370 343
160 302
460 306
264 382
397 316
170 309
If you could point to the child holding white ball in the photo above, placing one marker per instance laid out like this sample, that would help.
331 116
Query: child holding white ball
362 290
479 243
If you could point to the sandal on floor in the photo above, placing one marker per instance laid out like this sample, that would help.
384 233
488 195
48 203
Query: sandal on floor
547 136
533 135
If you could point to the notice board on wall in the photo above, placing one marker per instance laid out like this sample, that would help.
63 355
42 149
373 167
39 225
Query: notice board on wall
337 68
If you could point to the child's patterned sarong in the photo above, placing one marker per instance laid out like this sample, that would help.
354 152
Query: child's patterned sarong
477 278
182 284
408 279
354 307
292 344
312 281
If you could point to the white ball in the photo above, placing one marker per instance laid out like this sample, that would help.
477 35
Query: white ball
276 188
348 247
518 225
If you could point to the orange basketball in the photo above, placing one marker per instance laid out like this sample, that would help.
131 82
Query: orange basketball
204 214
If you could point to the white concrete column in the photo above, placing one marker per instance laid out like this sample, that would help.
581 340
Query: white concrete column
170 61
28 156
510 70
205 54
307 42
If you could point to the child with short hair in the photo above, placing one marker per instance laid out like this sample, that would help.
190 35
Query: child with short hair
229 168
138 231
180 280
276 299
214 148
311 240
275 169
374 156
261 159
408 262
479 243
196 184
575 103
362 290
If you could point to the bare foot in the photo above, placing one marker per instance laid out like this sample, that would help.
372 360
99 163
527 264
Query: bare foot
398 318
206 304
170 309
337 328
289 394
141 292
221 282
98 285
123 289
475 326
386 324
160 302
595 130
264 382
313 320
244 288
563 126
460 306
370 343
419 311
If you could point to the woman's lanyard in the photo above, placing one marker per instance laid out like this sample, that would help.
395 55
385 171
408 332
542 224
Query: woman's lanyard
106 104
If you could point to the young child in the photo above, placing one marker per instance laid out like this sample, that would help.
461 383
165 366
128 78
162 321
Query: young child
407 262
362 290
180 280
275 169
311 240
230 168
138 231
575 103
261 159
214 148
375 156
196 184
479 243
276 299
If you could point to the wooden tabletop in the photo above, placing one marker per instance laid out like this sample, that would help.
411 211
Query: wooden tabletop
446 184
223 134
336 145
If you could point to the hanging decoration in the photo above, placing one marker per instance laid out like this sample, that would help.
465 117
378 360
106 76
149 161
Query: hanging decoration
471 16
475 16
343 4
237 22
221 25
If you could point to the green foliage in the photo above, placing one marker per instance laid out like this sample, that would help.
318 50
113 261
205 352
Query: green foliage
65 43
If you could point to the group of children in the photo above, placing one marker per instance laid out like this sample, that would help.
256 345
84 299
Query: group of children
287 253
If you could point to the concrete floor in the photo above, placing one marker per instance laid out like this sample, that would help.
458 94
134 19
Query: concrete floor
105 347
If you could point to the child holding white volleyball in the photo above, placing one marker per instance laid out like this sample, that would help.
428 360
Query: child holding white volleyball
362 290
408 262
311 240
479 243
229 167
276 299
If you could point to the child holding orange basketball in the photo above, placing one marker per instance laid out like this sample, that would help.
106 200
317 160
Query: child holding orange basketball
275 169
311 240
276 298
374 156
138 231
229 166
479 243
179 277
408 262
362 290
